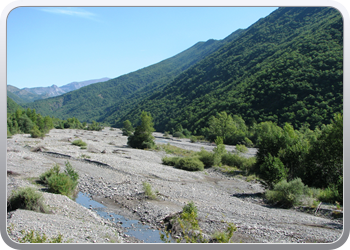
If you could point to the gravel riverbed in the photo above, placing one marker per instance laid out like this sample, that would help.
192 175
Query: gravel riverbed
112 174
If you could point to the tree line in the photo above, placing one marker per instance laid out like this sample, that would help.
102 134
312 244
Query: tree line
30 122
284 153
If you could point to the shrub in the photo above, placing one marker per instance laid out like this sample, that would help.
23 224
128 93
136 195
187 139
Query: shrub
94 126
248 142
224 237
36 133
190 208
329 194
187 224
235 160
219 151
53 171
178 134
272 170
79 143
190 164
61 183
170 149
185 163
206 157
241 149
29 237
148 191
26 198
193 139
286 194
170 161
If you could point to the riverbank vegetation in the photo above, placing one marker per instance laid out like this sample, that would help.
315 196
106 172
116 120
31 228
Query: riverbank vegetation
30 122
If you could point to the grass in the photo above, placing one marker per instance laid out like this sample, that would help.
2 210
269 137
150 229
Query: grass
26 198
170 149
80 143
187 223
148 191
34 237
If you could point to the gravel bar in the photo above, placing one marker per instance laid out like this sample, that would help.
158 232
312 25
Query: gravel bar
112 173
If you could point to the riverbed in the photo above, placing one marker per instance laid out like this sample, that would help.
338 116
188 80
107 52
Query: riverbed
112 174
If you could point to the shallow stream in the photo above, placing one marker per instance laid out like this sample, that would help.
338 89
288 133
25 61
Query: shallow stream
134 227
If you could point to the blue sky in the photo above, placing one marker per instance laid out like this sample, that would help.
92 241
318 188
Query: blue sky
59 45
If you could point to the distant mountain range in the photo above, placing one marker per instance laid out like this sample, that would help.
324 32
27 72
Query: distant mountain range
26 95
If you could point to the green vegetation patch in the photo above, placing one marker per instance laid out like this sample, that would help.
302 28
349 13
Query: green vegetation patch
26 198
61 183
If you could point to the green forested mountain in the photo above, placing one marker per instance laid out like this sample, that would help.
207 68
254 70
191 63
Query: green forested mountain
116 96
287 67
21 96
12 106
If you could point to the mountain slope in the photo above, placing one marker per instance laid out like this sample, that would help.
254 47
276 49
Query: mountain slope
286 67
21 96
95 102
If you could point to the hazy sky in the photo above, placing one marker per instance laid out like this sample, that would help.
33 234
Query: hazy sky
59 45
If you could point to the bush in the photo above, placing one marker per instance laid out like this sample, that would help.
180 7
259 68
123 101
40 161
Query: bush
241 149
26 198
206 157
36 133
224 237
178 134
94 126
190 208
190 164
287 194
235 160
79 143
61 183
248 142
272 170
170 161
193 139
185 163
29 237
148 191
53 171
330 195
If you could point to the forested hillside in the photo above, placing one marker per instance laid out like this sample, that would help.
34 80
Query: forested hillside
98 101
287 67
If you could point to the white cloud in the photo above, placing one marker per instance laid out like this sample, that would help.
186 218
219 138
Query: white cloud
70 12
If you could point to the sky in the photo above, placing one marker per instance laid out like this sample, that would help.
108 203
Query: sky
60 45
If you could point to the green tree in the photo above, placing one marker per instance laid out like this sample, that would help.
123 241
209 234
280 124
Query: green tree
219 151
325 159
127 129
142 137
221 125
272 170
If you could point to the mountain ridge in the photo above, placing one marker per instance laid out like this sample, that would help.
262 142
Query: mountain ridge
286 67
37 93
94 102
